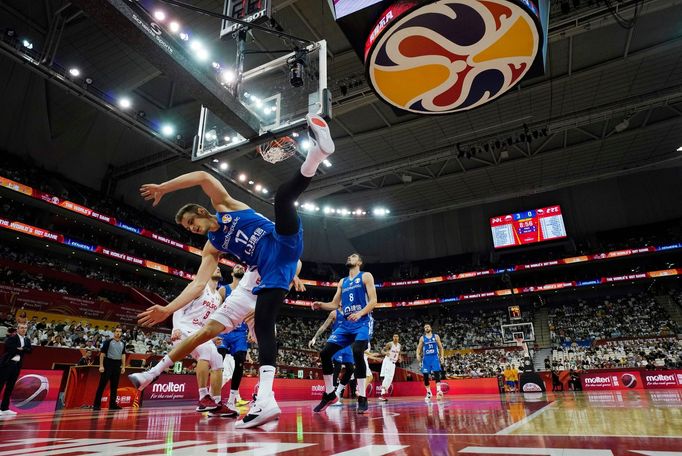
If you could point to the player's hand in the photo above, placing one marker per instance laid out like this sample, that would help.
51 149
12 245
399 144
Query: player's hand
123 370
217 341
152 316
355 316
248 319
298 284
175 335
316 305
101 370
152 192
312 342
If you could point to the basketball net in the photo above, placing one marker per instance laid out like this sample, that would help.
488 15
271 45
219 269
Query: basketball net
278 149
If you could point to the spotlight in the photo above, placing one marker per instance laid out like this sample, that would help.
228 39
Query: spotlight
305 144
27 44
326 210
159 15
679 149
174 27
88 81
296 203
235 139
380 211
223 166
202 55
327 163
265 190
184 36
258 187
215 65
215 160
242 177
124 103
227 138
250 182
195 45
75 72
211 135
228 76
295 134
167 130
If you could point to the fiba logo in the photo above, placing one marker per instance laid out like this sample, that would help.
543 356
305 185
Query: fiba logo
452 55
29 391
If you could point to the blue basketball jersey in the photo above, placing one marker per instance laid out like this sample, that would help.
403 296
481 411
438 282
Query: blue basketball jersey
338 320
353 297
430 345
239 234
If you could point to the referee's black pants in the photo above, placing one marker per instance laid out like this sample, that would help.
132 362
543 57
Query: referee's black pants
112 371
9 374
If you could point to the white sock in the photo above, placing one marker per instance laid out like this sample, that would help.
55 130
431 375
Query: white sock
203 392
428 390
267 377
313 161
438 387
362 387
233 396
161 366
339 389
328 383
217 398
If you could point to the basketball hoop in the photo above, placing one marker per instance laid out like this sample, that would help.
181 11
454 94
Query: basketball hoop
278 149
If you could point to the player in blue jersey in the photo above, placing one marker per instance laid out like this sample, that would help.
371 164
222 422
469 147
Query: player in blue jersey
273 248
236 344
355 298
343 359
431 348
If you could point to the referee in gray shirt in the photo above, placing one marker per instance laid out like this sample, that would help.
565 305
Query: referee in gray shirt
112 360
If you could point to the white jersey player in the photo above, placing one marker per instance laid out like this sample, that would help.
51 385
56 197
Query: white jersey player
391 354
238 307
187 321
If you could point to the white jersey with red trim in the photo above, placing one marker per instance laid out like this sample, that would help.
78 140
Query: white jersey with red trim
194 315
394 352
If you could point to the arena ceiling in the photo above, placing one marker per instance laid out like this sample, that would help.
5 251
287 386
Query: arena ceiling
611 104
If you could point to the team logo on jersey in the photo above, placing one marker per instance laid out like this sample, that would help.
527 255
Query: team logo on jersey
357 280
226 218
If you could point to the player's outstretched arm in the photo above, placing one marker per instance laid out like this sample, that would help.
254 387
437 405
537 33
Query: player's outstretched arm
220 199
157 314
334 304
330 319
368 280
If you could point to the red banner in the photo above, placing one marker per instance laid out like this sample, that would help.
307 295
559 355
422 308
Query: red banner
611 380
36 391
671 379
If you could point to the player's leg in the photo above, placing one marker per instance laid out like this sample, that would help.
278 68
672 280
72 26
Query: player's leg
438 376
179 352
359 348
337 370
426 373
206 402
239 359
330 349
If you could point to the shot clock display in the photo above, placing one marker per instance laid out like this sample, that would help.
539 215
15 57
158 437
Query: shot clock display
528 227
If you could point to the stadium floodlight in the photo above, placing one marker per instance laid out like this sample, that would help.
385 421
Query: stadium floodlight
124 103
167 130
75 72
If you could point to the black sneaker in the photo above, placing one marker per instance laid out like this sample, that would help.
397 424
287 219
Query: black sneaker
362 404
327 400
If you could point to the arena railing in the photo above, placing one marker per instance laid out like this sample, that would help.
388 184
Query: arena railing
87 212
109 253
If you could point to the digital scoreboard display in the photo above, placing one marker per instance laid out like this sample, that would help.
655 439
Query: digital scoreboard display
528 227
344 8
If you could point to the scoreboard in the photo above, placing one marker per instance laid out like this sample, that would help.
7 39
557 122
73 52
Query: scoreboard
528 227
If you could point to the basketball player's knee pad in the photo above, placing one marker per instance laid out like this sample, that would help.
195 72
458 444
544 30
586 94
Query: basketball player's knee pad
359 347
326 356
